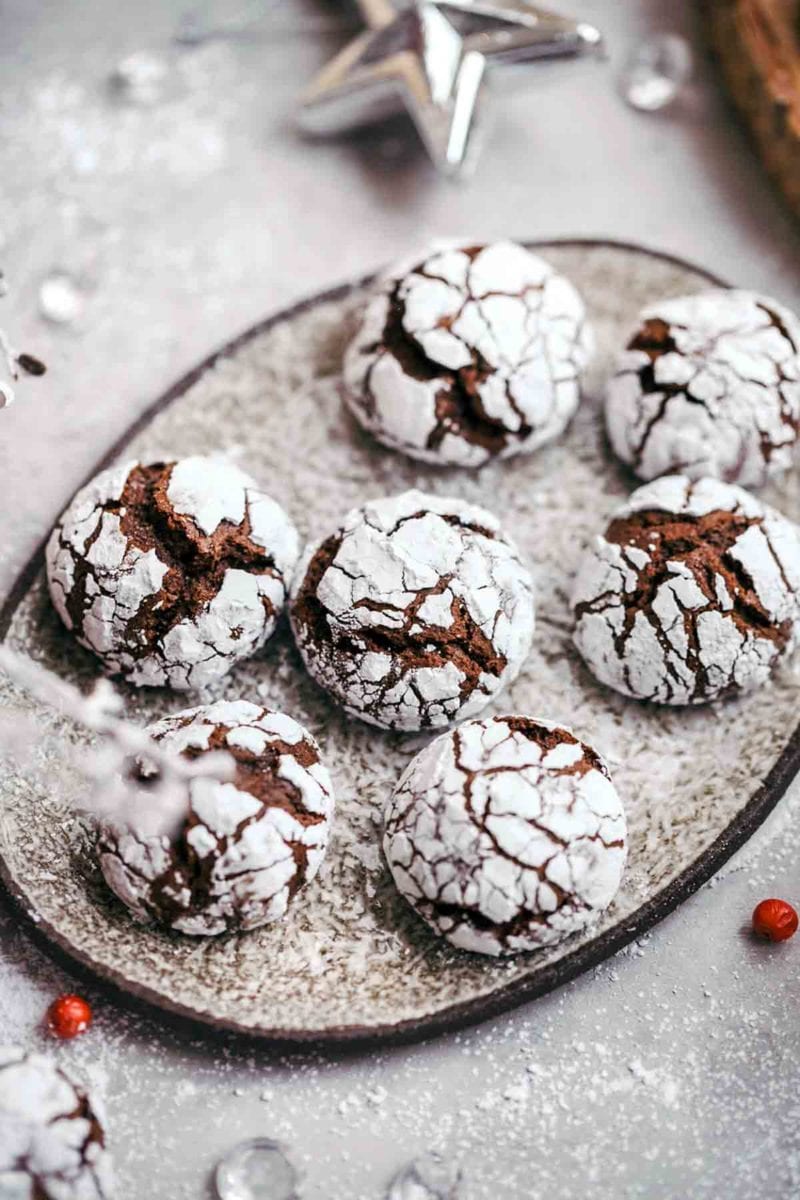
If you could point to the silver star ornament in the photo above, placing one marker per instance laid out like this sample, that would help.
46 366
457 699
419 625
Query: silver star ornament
431 58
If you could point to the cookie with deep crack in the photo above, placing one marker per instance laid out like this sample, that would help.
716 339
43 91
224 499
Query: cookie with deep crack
52 1143
506 834
241 850
171 572
467 354
690 595
415 613
708 385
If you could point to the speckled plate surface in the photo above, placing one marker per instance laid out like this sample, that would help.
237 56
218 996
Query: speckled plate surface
352 961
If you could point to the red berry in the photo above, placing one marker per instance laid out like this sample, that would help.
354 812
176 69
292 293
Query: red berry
68 1016
775 919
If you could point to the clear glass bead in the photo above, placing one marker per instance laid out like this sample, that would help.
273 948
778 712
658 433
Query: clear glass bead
429 1177
656 72
61 298
256 1170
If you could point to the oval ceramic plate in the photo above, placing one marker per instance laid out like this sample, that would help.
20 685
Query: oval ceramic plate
352 962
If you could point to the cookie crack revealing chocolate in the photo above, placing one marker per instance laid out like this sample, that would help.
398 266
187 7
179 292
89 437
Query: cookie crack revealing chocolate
691 594
196 564
170 572
414 613
470 354
241 850
709 385
52 1144
458 406
506 834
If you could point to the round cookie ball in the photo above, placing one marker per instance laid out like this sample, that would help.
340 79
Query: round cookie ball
243 848
52 1145
506 834
468 354
708 385
415 613
691 593
171 572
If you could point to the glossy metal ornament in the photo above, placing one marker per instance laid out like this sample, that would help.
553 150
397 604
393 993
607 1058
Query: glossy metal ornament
431 57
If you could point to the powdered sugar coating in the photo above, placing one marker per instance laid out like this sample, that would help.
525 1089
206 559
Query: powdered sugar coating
468 354
415 613
245 847
692 593
506 834
171 572
52 1145
709 385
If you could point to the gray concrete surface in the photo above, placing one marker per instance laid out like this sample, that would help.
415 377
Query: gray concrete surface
670 1072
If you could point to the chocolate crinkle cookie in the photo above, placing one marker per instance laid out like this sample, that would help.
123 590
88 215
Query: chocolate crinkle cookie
240 851
171 571
506 834
52 1145
709 385
691 594
416 612
469 354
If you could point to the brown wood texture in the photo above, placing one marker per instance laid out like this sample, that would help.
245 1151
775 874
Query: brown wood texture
757 45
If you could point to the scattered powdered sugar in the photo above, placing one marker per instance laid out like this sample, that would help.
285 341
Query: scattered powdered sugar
85 132
548 1090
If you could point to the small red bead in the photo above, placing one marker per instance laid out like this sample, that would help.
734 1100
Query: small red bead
68 1016
775 919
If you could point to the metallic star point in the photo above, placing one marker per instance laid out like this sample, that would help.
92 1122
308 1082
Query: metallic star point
431 57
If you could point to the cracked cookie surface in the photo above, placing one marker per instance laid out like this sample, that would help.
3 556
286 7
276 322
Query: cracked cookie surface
415 613
691 594
469 354
171 572
52 1144
506 834
709 385
244 847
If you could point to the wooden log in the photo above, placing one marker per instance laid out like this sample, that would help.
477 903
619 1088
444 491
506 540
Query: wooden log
757 43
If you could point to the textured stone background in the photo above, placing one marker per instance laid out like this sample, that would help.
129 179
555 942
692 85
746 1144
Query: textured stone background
672 1072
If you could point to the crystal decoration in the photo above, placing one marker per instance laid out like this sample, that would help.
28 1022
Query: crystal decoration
61 298
256 1170
429 1177
656 72
140 79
